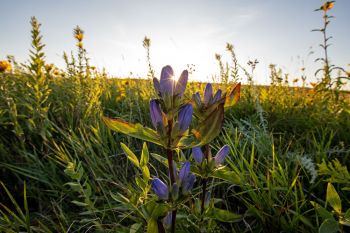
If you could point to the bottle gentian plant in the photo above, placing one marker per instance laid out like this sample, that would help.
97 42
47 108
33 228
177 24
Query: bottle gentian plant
179 123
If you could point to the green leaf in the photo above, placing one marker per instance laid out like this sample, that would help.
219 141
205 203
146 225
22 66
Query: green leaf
329 226
135 227
333 198
145 172
225 174
210 127
324 214
152 226
133 130
131 156
223 215
160 159
144 155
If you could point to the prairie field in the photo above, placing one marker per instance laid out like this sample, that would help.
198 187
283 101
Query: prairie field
83 151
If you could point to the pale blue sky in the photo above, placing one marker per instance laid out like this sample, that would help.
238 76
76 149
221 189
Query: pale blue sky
182 32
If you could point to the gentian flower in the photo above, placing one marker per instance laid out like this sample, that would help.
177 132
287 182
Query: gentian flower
156 114
197 154
184 171
208 96
221 155
168 86
160 189
188 183
185 117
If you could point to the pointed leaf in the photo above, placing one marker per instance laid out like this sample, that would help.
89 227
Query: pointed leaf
227 175
144 155
223 215
133 130
131 156
233 97
210 127
333 198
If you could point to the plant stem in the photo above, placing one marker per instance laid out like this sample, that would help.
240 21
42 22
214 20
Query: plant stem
160 226
204 190
171 172
204 182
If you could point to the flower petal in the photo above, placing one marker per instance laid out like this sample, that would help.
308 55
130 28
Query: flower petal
181 83
197 99
197 154
167 82
184 171
221 155
156 85
167 220
217 96
156 113
188 183
208 93
185 117
160 189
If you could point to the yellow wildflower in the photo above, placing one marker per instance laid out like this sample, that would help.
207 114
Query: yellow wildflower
5 66
79 36
80 44
327 6
49 67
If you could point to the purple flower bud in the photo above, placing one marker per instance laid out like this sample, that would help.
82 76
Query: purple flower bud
197 154
185 117
160 189
217 96
156 113
167 82
221 155
184 171
167 220
156 85
197 99
181 84
188 183
208 93
207 199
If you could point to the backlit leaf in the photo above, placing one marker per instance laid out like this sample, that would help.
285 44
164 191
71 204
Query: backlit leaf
133 130
333 198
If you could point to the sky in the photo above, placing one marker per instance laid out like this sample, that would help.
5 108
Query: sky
181 32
